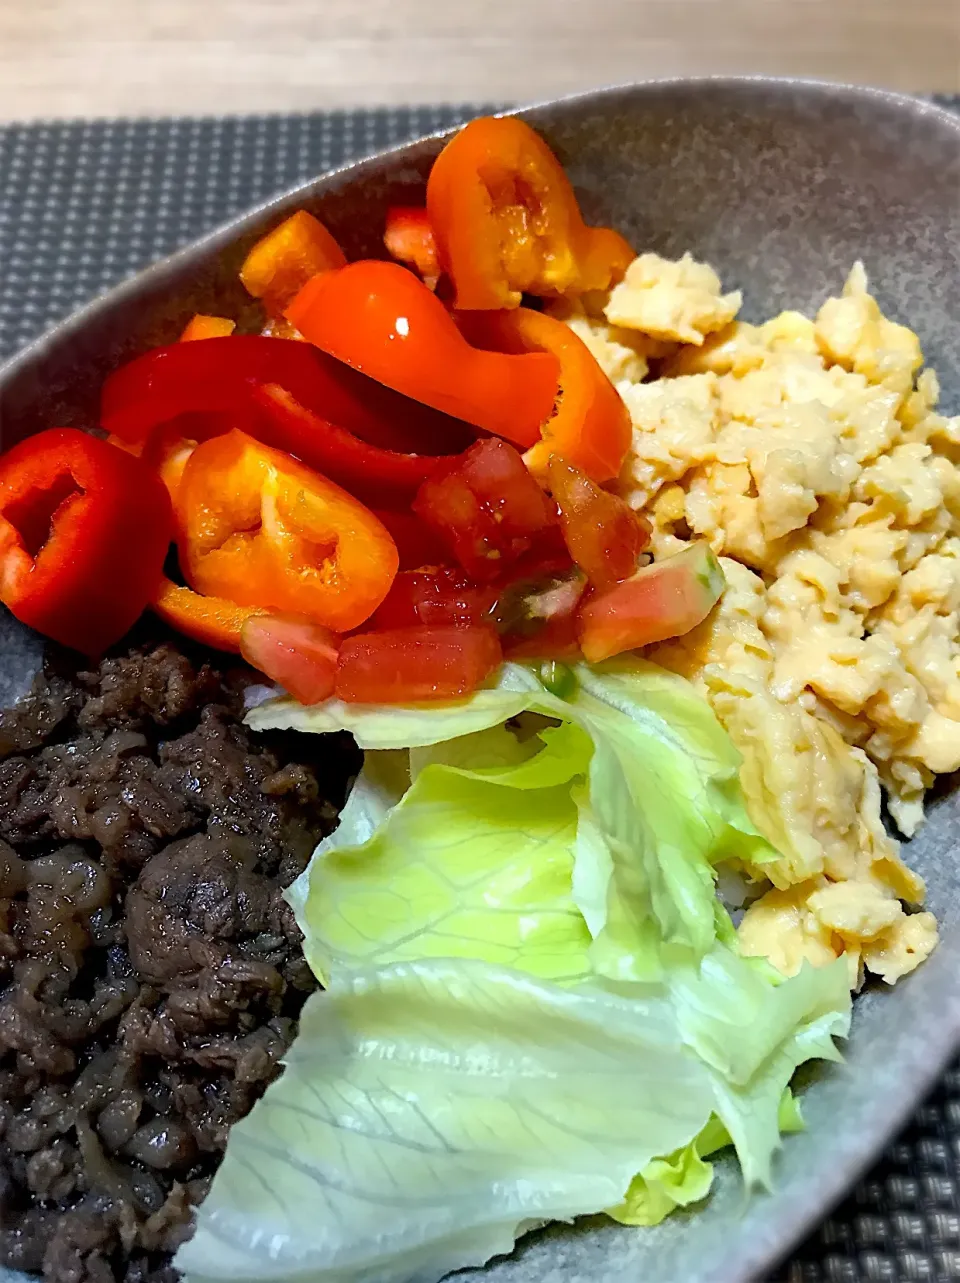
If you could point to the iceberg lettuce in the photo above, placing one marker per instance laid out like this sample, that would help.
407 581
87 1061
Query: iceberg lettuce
535 1003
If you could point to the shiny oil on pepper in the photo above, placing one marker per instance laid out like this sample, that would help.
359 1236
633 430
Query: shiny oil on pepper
84 530
261 529
507 222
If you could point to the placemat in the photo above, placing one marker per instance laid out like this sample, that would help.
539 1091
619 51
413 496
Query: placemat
85 203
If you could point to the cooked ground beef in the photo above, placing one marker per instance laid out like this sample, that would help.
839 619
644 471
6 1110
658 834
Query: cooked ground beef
150 972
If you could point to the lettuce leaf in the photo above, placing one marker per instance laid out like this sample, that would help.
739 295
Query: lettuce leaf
653 805
432 1111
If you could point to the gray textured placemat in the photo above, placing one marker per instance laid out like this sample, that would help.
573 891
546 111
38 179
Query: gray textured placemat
84 204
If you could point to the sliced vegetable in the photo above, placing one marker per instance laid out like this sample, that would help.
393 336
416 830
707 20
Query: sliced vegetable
604 535
299 655
212 620
368 470
214 382
380 319
507 222
286 258
261 529
431 1111
409 238
486 507
663 600
590 425
417 545
84 530
444 595
411 665
207 327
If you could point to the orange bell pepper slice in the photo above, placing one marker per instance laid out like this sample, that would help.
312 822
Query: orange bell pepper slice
591 426
380 319
207 327
507 222
261 529
284 260
212 620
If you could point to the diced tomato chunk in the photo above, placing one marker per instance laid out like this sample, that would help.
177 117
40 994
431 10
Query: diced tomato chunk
417 545
604 535
486 506
299 655
413 665
663 600
443 595
556 639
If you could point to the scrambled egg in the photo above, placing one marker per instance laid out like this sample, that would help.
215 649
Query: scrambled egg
810 454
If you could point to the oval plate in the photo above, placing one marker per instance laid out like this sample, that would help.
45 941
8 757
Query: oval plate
780 185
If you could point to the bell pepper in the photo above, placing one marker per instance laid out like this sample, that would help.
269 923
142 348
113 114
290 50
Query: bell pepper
207 327
262 529
84 530
507 222
411 665
214 382
486 507
212 620
604 535
285 259
366 470
591 425
409 238
379 318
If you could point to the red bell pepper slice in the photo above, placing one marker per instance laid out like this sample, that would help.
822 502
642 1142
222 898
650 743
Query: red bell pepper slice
365 470
604 535
591 425
214 382
84 530
486 507
296 653
380 319
414 665
212 620
409 238
507 222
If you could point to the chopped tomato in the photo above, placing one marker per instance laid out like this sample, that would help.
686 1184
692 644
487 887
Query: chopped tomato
297 654
664 600
558 639
207 327
486 506
414 665
287 257
605 536
409 238
430 597
417 545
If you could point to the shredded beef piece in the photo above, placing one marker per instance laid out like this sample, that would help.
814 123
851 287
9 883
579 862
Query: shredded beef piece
151 974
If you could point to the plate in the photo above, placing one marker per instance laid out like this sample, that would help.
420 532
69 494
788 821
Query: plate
780 185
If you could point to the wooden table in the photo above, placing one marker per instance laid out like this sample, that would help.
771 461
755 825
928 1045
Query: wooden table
154 57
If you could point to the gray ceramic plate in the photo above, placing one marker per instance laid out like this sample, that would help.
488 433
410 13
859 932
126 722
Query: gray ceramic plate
781 186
